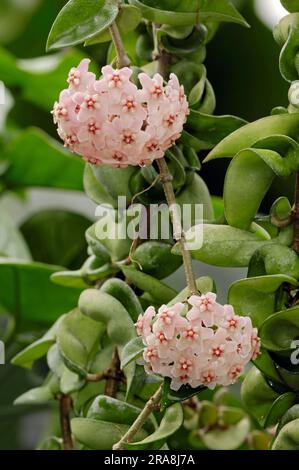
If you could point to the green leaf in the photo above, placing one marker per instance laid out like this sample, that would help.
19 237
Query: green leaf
227 439
215 10
256 168
12 243
274 259
171 422
170 396
50 164
155 258
121 291
35 396
57 236
280 329
104 308
266 365
79 20
105 184
127 20
115 411
256 296
212 128
287 35
283 124
279 408
223 245
196 192
257 395
100 435
159 291
37 349
288 437
290 415
96 246
27 292
78 339
132 351
70 381
204 284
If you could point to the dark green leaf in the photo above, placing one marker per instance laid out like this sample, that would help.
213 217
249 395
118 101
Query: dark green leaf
79 20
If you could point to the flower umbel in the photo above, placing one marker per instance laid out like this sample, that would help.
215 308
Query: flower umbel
209 346
111 121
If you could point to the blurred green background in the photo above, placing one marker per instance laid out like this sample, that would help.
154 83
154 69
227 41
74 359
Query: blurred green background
242 66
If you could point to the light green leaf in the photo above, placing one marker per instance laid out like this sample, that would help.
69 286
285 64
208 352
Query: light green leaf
283 124
159 291
171 422
132 351
78 339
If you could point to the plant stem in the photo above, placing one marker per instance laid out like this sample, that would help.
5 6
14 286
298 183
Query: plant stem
140 420
114 375
65 405
122 57
296 215
175 213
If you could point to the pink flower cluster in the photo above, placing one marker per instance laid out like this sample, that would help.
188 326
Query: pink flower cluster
113 122
209 346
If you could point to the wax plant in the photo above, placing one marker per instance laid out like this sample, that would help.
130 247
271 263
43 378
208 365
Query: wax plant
125 364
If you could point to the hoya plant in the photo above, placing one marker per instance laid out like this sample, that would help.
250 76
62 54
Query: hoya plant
129 362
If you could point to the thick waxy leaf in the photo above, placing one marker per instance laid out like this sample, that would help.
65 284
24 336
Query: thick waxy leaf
279 408
106 309
59 169
287 35
79 20
159 291
257 395
265 364
212 128
223 245
78 339
121 291
39 395
105 184
37 349
274 259
280 329
56 236
290 415
12 243
288 437
170 396
127 20
100 435
196 193
171 422
215 10
228 439
96 246
156 259
284 124
258 166
27 292
256 296
115 411
204 284
132 351
35 396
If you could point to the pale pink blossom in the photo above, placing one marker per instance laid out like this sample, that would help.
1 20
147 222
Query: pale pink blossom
110 121
187 351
